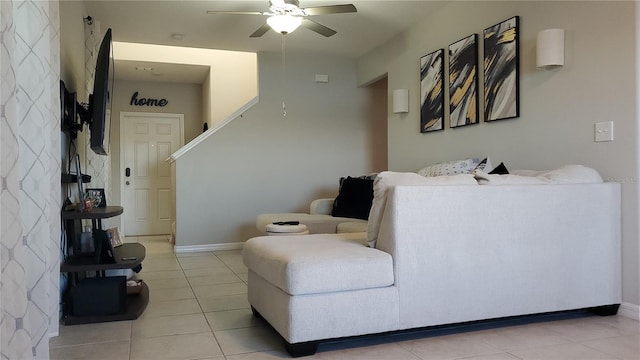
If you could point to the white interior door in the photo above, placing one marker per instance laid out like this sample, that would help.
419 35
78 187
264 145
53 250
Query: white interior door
148 139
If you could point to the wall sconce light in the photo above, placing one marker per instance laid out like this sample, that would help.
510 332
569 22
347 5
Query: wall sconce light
550 49
401 101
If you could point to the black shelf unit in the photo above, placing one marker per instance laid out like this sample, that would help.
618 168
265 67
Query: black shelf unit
81 263
87 262
73 178
136 304
93 214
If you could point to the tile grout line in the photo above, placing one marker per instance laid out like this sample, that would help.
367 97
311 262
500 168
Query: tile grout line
210 327
131 338
202 310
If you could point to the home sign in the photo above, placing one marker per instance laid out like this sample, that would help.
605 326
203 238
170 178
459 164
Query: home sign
147 101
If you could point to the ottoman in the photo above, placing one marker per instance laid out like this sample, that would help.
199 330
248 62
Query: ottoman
320 286
286 229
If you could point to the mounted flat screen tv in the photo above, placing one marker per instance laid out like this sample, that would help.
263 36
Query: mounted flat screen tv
100 100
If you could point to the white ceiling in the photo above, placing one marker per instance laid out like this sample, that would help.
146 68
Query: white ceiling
156 71
153 22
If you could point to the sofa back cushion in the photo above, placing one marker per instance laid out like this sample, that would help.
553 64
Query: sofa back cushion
387 179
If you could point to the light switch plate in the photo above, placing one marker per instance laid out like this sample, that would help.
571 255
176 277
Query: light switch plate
604 131
321 78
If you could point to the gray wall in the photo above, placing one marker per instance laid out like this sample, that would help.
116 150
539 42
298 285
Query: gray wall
72 73
264 162
558 107
183 99
71 62
72 46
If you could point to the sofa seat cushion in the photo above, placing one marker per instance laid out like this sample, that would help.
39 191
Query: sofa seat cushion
352 227
321 263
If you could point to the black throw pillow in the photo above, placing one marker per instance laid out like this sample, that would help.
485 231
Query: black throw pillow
500 170
354 198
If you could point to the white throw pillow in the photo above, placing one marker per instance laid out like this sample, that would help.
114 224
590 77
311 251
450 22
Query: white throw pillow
527 172
507 179
572 174
568 174
387 179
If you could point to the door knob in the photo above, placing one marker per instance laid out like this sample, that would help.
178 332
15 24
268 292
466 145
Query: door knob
127 182
127 172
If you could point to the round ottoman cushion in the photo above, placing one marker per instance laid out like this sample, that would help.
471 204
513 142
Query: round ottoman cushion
276 229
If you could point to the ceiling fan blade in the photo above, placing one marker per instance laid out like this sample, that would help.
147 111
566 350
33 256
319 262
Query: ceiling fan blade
237 12
331 9
261 31
320 29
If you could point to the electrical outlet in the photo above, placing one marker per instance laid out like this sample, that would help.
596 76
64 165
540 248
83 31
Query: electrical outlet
604 131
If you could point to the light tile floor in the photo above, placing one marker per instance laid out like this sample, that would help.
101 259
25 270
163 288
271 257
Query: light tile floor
198 310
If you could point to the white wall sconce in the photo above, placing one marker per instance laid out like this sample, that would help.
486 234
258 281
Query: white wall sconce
550 49
401 101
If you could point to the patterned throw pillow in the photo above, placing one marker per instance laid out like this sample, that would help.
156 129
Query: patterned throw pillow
450 168
484 165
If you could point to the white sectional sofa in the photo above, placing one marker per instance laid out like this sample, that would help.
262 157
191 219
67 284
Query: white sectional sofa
443 254
318 220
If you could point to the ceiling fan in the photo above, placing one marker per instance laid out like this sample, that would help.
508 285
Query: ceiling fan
284 16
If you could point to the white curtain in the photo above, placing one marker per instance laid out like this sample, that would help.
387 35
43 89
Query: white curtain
30 159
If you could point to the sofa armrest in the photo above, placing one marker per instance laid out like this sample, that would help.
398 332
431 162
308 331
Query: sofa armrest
321 206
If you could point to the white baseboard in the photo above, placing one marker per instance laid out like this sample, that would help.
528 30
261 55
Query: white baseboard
208 247
630 311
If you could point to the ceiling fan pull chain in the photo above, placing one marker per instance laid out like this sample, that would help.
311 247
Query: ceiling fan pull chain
284 78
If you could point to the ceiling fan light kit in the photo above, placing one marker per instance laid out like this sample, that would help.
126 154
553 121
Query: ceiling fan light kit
284 24
285 16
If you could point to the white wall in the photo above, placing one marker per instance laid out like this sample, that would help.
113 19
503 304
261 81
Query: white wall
558 107
206 99
182 99
231 83
264 162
